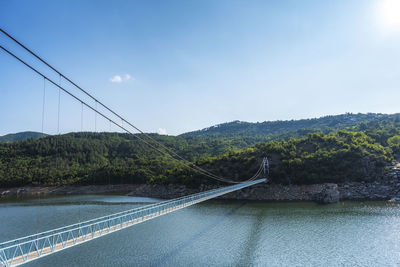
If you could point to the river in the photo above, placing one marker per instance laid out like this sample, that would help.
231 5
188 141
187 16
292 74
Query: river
217 233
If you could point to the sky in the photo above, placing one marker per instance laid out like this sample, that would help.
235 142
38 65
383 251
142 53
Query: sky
177 66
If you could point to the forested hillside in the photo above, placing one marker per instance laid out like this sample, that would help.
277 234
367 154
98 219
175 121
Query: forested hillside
98 158
273 130
101 158
20 136
345 156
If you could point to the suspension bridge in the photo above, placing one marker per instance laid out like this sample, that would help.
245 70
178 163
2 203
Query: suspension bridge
22 250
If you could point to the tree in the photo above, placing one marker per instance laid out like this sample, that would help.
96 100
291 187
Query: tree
394 143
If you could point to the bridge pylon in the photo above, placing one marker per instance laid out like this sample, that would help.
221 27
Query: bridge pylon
265 164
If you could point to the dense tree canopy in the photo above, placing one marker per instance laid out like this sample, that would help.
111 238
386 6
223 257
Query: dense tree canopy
359 153
394 143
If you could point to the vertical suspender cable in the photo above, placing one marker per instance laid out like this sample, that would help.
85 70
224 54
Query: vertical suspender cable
42 163
185 162
43 111
82 117
171 153
95 131
109 153
44 100
108 205
59 103
95 118
80 179
58 130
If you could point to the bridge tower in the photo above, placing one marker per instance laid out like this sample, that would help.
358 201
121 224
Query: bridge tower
266 168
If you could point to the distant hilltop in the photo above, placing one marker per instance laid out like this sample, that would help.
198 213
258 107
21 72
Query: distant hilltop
292 128
267 130
20 136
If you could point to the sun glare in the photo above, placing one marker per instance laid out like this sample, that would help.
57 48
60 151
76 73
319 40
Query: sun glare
388 15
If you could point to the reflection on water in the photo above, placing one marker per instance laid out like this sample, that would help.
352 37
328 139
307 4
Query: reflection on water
250 245
217 233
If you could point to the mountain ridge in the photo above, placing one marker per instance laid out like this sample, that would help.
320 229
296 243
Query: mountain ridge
271 128
20 136
262 131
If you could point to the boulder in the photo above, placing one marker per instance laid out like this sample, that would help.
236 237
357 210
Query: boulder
5 193
329 194
21 191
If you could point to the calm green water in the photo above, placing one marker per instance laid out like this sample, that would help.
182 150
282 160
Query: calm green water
217 233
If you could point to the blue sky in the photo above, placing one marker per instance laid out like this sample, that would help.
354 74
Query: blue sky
184 65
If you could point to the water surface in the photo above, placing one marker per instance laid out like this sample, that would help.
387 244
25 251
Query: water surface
215 233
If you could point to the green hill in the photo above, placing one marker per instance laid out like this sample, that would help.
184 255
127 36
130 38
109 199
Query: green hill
317 158
290 128
20 136
360 152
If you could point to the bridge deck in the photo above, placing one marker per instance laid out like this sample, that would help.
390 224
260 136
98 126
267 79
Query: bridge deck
22 250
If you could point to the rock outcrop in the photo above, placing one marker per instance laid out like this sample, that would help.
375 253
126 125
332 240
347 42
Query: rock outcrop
329 194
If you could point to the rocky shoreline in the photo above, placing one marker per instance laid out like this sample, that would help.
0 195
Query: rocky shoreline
322 193
385 189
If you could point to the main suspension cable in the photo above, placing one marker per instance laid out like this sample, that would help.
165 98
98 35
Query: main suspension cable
113 112
190 166
187 162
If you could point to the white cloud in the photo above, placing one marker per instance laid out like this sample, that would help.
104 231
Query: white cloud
162 131
116 79
121 78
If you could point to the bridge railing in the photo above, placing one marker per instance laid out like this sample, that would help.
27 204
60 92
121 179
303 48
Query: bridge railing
25 249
